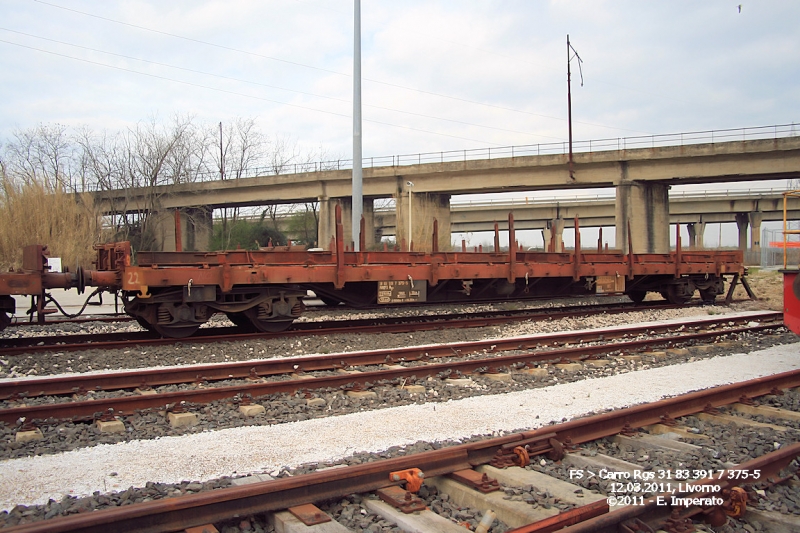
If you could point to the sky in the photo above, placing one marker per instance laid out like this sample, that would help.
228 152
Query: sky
437 75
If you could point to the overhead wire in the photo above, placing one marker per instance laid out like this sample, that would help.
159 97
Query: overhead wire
225 91
389 84
240 80
295 63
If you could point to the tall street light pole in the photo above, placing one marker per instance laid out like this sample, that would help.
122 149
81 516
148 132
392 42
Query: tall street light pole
358 194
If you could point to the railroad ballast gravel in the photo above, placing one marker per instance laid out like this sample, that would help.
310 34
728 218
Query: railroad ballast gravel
185 353
233 452
155 357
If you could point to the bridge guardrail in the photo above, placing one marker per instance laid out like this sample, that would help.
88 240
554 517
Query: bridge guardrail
553 148
591 145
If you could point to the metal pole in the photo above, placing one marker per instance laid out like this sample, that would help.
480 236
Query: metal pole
358 194
569 114
221 155
222 177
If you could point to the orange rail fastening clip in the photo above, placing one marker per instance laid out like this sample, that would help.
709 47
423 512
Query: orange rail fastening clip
737 502
413 477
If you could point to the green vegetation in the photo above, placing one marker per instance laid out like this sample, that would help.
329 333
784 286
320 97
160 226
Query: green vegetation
302 228
245 234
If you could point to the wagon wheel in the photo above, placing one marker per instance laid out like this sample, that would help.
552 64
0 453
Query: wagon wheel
5 319
144 323
176 330
178 321
271 317
674 297
267 325
708 295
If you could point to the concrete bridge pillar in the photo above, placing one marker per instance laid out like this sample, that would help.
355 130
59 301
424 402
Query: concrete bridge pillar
196 229
646 206
696 231
425 207
755 230
371 235
742 221
692 235
553 235
327 221
325 230
699 233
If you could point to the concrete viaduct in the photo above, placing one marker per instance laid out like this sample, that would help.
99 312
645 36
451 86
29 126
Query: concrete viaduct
641 177
693 210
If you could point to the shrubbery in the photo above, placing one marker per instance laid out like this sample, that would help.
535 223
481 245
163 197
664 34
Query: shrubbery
245 234
36 213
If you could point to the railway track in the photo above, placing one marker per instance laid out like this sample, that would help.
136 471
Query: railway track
356 371
77 342
531 481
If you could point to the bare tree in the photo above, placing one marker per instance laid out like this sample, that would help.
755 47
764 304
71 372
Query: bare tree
241 147
327 161
137 163
43 154
133 166
283 152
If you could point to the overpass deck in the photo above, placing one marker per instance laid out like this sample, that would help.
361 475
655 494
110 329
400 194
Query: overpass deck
708 157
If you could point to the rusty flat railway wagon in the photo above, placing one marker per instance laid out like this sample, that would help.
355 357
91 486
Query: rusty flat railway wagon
174 293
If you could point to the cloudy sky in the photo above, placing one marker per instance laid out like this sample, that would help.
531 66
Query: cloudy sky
438 75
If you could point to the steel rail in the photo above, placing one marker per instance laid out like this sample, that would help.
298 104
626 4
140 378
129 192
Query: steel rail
278 366
174 514
212 334
565 518
79 342
89 409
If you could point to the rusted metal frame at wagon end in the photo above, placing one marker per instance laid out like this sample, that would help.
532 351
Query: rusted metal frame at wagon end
178 513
